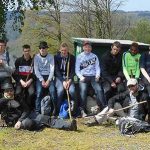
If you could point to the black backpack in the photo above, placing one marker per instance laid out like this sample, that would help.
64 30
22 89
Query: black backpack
130 126
46 104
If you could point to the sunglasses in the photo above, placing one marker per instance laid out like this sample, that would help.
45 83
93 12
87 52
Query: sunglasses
42 47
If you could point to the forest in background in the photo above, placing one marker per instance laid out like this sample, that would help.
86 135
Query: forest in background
61 20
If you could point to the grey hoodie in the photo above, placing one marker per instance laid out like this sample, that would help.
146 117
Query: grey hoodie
5 69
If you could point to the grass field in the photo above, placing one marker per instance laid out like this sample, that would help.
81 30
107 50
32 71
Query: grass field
106 137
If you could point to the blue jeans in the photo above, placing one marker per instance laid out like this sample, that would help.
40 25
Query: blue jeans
98 91
39 90
60 92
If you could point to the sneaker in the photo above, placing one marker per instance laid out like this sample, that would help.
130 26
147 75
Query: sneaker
83 114
73 126
91 122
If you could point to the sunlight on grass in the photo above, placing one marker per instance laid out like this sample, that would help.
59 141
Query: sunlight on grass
92 138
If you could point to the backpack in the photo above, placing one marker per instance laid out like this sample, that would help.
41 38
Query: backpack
130 126
63 113
46 105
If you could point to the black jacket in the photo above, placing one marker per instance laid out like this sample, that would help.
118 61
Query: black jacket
61 67
111 66
11 114
124 99
23 69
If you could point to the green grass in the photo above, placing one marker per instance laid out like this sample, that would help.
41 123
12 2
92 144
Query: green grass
86 138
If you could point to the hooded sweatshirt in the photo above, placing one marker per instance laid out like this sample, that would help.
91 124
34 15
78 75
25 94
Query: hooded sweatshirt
87 64
6 69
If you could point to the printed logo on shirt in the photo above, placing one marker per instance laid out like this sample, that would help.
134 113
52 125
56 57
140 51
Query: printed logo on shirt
86 63
25 70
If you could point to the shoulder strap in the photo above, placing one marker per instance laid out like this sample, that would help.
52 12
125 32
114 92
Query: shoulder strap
7 57
68 66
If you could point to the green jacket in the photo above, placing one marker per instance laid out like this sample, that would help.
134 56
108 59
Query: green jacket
131 65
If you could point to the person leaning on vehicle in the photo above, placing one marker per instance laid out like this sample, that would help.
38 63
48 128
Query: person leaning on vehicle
88 71
112 73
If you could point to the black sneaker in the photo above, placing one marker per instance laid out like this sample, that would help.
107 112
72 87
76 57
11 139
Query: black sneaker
73 126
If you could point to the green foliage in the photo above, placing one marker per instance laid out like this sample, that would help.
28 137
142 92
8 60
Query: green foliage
3 10
140 32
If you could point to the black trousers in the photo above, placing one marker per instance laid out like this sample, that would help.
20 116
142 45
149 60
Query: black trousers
110 92
25 95
46 121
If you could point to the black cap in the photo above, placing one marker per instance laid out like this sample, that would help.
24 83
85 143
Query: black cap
6 86
43 45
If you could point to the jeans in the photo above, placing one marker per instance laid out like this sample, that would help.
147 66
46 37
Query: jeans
39 90
60 92
26 94
98 91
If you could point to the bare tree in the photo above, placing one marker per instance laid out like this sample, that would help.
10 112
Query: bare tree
95 17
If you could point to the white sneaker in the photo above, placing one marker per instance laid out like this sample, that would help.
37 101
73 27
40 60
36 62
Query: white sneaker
83 114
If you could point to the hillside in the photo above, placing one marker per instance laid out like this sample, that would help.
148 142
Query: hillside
13 35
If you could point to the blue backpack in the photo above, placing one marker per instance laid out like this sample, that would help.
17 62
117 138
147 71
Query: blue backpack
63 113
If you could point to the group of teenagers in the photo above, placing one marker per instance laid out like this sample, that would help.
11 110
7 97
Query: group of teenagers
118 80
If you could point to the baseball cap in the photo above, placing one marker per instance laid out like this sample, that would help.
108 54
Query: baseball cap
132 81
86 43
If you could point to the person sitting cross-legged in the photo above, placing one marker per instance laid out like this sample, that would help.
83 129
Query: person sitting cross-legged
112 71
